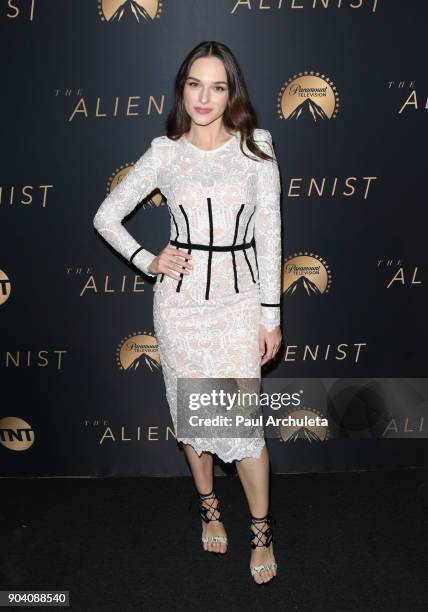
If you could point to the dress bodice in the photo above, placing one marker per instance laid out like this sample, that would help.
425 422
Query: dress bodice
224 208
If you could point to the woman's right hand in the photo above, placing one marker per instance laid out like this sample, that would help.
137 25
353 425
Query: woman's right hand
169 259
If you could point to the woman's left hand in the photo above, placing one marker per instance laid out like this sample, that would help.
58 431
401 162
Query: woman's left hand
269 343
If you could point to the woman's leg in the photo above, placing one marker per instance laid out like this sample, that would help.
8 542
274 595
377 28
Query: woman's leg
254 476
202 468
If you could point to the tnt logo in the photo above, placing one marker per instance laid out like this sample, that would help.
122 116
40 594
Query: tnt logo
16 434
5 287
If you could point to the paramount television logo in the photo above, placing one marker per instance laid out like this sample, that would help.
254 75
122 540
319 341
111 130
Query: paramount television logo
129 11
308 96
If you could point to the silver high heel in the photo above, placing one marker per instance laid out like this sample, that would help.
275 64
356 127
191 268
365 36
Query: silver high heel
257 538
211 513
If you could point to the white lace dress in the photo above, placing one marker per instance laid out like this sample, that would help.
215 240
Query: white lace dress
207 323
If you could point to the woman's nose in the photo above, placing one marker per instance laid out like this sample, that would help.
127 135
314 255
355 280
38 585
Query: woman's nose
204 96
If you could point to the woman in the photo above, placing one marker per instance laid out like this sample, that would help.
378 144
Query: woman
216 306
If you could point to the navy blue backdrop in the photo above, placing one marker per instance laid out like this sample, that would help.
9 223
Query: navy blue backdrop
342 87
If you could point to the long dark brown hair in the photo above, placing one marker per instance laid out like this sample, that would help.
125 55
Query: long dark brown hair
239 113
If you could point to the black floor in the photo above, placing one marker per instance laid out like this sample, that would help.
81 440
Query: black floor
343 542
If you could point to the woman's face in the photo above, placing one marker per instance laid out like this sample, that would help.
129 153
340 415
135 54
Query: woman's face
206 92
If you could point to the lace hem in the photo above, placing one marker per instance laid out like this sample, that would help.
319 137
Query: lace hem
235 453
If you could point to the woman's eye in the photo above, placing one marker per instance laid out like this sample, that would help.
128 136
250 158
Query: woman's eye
217 87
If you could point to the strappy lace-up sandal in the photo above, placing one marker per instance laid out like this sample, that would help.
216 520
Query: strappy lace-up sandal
263 536
211 513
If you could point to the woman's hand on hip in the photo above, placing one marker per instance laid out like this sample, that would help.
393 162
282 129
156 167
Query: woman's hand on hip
169 259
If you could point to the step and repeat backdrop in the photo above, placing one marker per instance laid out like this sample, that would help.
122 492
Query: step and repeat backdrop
342 86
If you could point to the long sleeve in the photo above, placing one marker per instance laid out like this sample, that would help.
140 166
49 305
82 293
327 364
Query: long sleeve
139 182
267 233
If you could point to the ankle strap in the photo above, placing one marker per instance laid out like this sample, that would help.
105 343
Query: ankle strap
263 519
206 495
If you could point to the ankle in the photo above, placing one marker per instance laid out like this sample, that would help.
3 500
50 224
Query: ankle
209 507
261 531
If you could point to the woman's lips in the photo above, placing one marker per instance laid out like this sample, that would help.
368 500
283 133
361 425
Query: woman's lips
203 111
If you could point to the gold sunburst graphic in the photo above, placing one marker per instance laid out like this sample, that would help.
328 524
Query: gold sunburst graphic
305 273
138 348
129 10
308 96
311 433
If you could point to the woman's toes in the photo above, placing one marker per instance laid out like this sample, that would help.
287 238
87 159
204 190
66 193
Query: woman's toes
210 546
